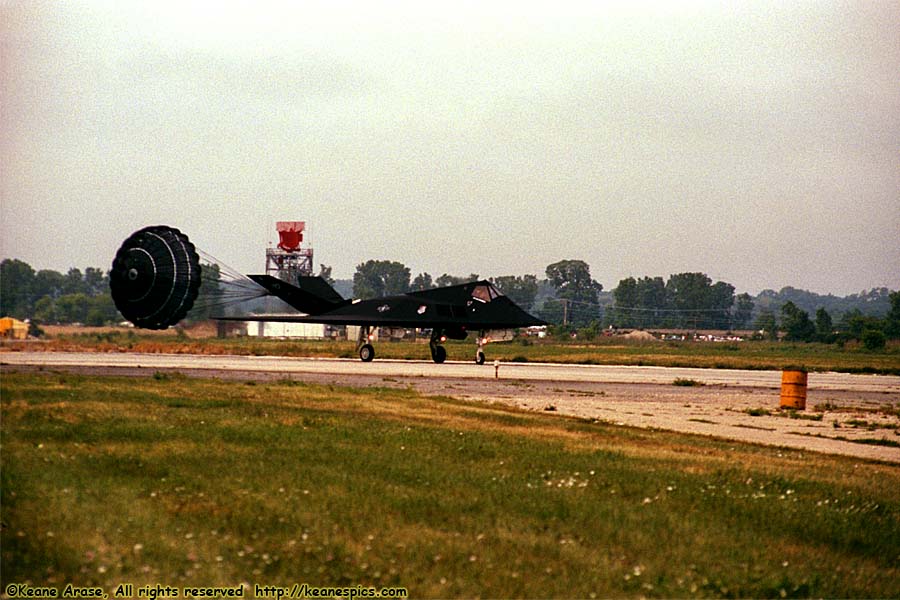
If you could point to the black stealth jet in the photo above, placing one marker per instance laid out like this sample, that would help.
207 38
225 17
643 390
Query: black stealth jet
450 312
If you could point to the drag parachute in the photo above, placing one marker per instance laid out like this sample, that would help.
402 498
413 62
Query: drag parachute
155 277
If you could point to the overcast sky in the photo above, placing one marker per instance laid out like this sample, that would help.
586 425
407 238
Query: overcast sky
758 143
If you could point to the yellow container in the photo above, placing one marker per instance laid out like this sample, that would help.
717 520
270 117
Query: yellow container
793 389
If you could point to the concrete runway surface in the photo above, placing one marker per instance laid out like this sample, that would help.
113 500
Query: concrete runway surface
456 370
854 409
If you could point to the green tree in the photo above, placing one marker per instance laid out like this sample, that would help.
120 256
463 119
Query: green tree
796 324
376 278
824 326
422 282
767 325
521 290
626 300
854 323
572 276
446 280
651 296
698 302
873 339
688 293
45 310
95 282
73 282
577 300
100 310
555 312
48 283
892 320
720 301
743 311
72 308
639 302
16 288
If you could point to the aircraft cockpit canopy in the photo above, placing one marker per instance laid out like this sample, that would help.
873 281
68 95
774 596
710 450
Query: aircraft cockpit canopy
485 293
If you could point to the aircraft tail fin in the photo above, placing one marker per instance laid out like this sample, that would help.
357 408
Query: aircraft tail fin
312 296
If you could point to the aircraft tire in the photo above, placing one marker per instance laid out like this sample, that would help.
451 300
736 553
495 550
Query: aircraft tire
479 358
439 354
367 353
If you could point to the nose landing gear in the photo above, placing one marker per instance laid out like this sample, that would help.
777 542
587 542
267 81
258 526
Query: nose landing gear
479 351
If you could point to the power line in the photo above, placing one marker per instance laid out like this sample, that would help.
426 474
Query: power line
674 310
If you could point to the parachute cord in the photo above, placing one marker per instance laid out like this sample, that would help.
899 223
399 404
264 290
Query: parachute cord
226 272
223 286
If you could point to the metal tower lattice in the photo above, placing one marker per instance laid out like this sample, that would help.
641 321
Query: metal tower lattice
289 259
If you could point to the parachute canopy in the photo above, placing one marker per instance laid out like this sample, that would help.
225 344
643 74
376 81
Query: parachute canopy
155 277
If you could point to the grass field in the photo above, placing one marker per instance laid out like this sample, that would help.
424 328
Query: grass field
743 355
180 481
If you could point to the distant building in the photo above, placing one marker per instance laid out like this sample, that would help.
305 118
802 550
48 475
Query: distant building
275 329
13 329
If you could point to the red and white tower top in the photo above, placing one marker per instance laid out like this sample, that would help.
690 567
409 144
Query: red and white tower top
290 234
290 258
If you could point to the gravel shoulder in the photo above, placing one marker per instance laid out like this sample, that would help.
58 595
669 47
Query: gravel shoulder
860 422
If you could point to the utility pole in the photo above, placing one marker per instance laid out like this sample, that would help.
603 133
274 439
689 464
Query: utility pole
565 302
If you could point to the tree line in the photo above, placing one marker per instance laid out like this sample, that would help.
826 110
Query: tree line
568 296
574 299
796 325
49 296
685 300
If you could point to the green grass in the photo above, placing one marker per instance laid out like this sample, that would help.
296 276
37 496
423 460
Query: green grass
758 412
682 382
746 355
872 441
182 481
793 414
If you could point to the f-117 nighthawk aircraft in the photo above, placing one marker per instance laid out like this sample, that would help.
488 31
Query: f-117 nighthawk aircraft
450 312
156 277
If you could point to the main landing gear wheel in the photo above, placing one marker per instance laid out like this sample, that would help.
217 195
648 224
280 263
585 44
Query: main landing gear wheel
367 353
479 358
439 354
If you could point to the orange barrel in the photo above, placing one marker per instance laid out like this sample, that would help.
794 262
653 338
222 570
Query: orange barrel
793 389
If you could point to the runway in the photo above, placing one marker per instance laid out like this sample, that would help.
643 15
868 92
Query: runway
853 415
453 370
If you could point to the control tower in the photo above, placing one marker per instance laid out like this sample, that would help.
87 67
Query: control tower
290 258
